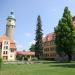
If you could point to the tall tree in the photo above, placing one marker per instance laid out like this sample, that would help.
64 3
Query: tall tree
32 48
65 33
38 38
0 55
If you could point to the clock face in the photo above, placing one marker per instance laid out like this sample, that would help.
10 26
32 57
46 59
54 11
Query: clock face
11 22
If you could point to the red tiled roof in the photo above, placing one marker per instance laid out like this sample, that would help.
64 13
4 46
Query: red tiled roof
49 37
4 37
12 43
25 53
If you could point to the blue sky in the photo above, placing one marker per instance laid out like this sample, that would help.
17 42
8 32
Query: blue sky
26 12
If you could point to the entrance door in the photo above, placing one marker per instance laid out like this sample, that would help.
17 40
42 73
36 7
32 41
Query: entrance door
5 58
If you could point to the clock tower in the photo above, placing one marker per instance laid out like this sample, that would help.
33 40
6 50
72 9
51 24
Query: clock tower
10 26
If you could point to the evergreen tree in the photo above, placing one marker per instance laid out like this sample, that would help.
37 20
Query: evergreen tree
65 33
38 38
32 48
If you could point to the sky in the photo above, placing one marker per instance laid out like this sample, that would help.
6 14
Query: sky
26 13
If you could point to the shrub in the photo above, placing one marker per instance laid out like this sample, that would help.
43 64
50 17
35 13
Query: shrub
34 59
0 63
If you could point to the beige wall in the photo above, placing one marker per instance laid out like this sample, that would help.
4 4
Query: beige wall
11 56
49 50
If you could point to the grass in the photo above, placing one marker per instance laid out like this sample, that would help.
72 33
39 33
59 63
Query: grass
50 68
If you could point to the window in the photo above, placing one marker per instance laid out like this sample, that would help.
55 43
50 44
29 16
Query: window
12 50
9 20
5 47
5 57
53 42
5 42
52 49
6 52
3 52
12 26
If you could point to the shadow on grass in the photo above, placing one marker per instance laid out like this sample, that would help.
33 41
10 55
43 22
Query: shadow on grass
60 64
65 65
47 62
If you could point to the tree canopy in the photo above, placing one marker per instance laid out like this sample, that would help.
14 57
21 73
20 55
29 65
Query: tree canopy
65 33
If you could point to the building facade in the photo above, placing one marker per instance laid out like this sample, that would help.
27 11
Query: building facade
7 43
49 47
73 19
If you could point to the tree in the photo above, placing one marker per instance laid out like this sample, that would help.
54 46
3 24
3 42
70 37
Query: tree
32 48
38 38
0 55
65 33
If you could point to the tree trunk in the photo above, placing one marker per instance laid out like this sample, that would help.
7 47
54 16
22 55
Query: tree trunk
69 57
37 54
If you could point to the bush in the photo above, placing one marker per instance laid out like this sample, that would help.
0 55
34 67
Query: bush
0 63
34 59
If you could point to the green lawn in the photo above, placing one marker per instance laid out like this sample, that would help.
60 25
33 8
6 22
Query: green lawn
39 69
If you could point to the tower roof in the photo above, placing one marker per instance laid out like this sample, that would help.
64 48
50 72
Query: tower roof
11 16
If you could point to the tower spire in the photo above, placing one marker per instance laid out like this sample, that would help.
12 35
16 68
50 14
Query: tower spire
12 13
